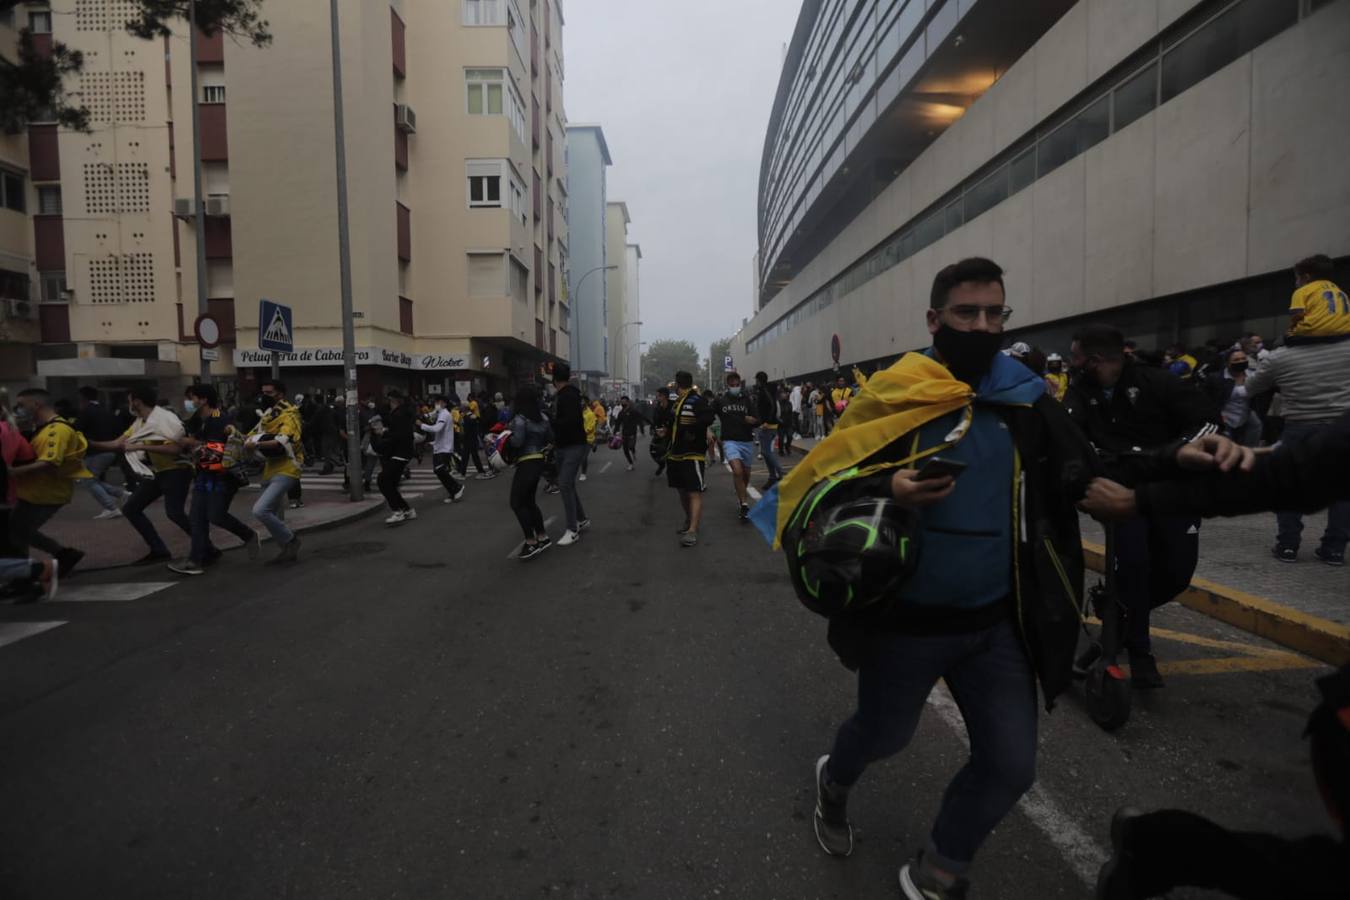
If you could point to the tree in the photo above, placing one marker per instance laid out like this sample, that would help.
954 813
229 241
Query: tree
32 87
663 359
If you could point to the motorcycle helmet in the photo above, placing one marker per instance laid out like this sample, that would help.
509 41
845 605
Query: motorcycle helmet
850 556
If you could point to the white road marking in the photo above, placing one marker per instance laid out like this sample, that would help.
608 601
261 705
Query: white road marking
17 631
605 467
110 593
1079 850
516 552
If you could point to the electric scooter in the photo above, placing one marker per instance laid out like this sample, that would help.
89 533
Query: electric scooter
1108 687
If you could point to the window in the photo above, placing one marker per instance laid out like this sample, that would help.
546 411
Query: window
53 287
1136 96
486 277
928 231
987 194
486 88
485 190
953 217
1022 171
1075 136
40 22
213 93
1223 40
49 200
484 12
13 285
520 277
518 199
12 191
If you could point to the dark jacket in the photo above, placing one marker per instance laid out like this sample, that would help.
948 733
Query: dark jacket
1306 475
397 440
1149 409
628 421
569 429
97 423
766 405
1047 589
688 422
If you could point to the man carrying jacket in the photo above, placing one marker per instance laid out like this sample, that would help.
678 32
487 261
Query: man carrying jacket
994 601
1127 410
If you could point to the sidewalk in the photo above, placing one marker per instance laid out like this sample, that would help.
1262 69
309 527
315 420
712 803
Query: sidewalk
109 543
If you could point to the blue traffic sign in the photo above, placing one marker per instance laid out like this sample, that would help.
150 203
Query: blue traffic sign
274 327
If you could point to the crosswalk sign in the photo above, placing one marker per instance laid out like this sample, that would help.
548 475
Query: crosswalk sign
274 327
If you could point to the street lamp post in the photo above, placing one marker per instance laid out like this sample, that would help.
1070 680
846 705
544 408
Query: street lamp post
354 463
622 328
576 298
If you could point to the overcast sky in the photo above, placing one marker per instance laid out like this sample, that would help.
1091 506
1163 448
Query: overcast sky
683 92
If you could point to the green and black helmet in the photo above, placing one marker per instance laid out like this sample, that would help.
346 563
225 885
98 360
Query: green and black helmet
847 557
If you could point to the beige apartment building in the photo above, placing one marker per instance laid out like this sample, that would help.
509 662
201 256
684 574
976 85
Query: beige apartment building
18 274
456 181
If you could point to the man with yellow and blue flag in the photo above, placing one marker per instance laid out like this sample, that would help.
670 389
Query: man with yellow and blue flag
993 600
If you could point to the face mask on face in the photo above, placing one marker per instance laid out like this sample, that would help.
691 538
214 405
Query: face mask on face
734 391
23 418
1237 367
370 404
968 354
189 406
266 402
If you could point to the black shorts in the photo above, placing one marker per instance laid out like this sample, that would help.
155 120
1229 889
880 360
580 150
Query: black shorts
685 475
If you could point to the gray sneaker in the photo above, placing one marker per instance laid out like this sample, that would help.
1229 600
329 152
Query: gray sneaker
689 539
916 885
833 831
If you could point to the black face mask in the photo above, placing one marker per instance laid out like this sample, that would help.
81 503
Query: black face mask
265 402
968 354
1237 367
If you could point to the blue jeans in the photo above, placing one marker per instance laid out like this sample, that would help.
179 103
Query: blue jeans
990 677
766 439
211 496
107 495
270 508
1290 524
171 484
569 466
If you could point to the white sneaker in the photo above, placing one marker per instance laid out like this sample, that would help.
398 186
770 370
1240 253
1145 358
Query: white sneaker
568 538
583 477
409 515
109 514
397 518
583 525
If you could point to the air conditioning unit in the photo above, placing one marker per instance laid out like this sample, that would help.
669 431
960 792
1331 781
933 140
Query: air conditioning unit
19 309
405 119
217 206
183 208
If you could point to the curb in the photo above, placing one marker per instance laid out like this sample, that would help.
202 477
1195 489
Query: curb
346 518
1310 635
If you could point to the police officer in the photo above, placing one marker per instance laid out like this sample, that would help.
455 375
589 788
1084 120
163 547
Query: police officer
1130 411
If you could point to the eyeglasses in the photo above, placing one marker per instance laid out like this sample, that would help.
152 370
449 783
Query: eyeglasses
971 313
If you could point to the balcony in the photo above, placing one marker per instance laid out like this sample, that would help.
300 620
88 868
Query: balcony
215 142
548 90
552 285
538 270
538 193
550 220
539 334
398 37
44 153
404 233
534 50
211 49
49 243
548 153
534 121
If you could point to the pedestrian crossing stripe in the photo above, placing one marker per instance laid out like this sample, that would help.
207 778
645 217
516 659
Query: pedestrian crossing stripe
110 593
17 631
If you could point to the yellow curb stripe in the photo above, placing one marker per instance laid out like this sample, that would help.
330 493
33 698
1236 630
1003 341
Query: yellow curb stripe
1230 665
1308 634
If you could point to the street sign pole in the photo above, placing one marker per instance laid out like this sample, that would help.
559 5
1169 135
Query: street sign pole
199 213
354 485
276 366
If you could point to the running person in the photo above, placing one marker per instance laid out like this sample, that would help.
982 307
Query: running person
396 449
279 437
628 421
686 425
213 487
569 433
44 480
442 431
531 432
735 411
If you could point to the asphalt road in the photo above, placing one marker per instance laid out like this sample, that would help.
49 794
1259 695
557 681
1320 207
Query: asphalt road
409 713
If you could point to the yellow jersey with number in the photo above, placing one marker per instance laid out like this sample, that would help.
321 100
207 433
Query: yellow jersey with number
59 444
1326 310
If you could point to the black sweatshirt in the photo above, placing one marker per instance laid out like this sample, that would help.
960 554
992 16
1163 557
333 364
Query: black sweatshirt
568 427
